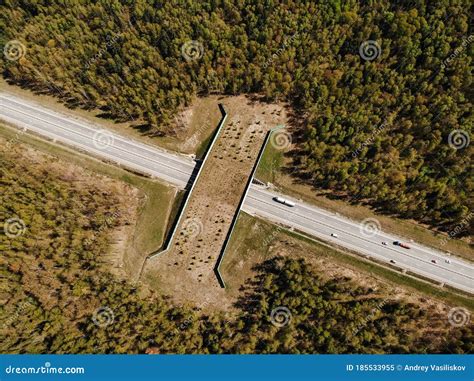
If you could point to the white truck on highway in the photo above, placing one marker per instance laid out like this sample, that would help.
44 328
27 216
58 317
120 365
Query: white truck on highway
284 201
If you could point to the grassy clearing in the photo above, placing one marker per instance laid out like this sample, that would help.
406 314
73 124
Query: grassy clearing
202 149
156 197
155 211
173 215
270 170
253 242
193 127
271 160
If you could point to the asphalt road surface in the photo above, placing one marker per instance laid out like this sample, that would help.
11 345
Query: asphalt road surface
84 135
177 169
361 238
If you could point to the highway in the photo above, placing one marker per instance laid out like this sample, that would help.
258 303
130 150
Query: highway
81 134
350 234
177 169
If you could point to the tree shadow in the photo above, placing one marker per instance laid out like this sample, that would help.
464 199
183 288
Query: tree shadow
251 296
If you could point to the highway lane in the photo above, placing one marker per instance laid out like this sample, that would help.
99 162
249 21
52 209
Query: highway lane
103 143
177 170
350 234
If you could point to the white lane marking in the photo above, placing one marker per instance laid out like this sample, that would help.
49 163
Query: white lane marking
92 128
348 245
426 261
61 128
381 234
105 155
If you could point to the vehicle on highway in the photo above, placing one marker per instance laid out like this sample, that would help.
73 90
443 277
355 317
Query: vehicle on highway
401 244
392 261
447 261
434 261
334 235
384 243
284 201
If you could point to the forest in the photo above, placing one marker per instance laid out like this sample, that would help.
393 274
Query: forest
60 297
381 90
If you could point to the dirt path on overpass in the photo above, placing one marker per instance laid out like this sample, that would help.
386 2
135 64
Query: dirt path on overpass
186 272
